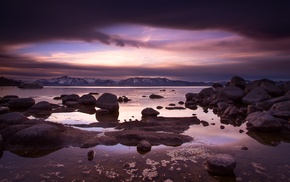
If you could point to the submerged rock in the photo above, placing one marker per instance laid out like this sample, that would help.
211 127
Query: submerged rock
155 96
149 112
143 147
220 164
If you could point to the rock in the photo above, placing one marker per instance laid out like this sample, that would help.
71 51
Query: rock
102 116
4 110
222 127
230 93
21 103
91 154
266 105
108 101
204 123
57 98
217 85
256 95
155 96
286 87
159 107
103 112
149 112
232 110
41 134
71 97
10 97
281 109
13 118
41 109
238 82
174 108
206 92
262 121
143 147
271 88
73 104
220 164
87 100
120 99
181 102
94 93
126 99
171 104
190 96
1 142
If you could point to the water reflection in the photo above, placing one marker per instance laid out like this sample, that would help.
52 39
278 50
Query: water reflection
270 138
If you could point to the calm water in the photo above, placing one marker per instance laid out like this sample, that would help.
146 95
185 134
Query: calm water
261 162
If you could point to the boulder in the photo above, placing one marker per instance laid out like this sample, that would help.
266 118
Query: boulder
71 97
149 112
220 164
143 147
189 96
102 112
206 92
108 101
271 88
256 95
230 93
13 118
87 100
262 121
155 96
20 103
238 82
41 109
266 105
281 109
217 85
10 97
286 87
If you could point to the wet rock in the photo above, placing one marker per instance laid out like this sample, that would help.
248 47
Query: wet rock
190 96
10 97
281 109
241 131
91 154
20 103
204 123
94 93
230 93
159 107
143 147
71 97
244 148
4 109
87 100
220 164
123 99
181 102
120 99
256 95
112 117
13 118
238 82
149 112
155 96
108 101
41 109
217 85
103 112
222 127
87 110
73 104
174 108
206 92
262 121
57 98
171 104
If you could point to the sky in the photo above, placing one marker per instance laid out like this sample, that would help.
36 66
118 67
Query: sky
180 40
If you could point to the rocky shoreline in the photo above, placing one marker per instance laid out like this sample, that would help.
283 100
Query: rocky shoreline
262 105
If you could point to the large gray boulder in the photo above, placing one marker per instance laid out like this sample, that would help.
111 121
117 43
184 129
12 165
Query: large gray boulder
262 121
87 100
267 104
41 109
13 118
281 109
206 92
220 164
256 95
149 112
230 93
20 103
108 101
238 82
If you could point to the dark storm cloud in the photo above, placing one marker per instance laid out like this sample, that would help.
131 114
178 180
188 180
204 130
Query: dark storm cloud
30 21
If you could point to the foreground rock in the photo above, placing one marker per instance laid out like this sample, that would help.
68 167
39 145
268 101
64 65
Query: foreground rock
262 121
143 147
20 104
12 118
108 101
220 164
41 109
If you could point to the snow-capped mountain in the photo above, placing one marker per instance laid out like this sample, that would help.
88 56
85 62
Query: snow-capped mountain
72 81
136 81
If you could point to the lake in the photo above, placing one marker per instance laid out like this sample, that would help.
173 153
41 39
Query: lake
259 158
